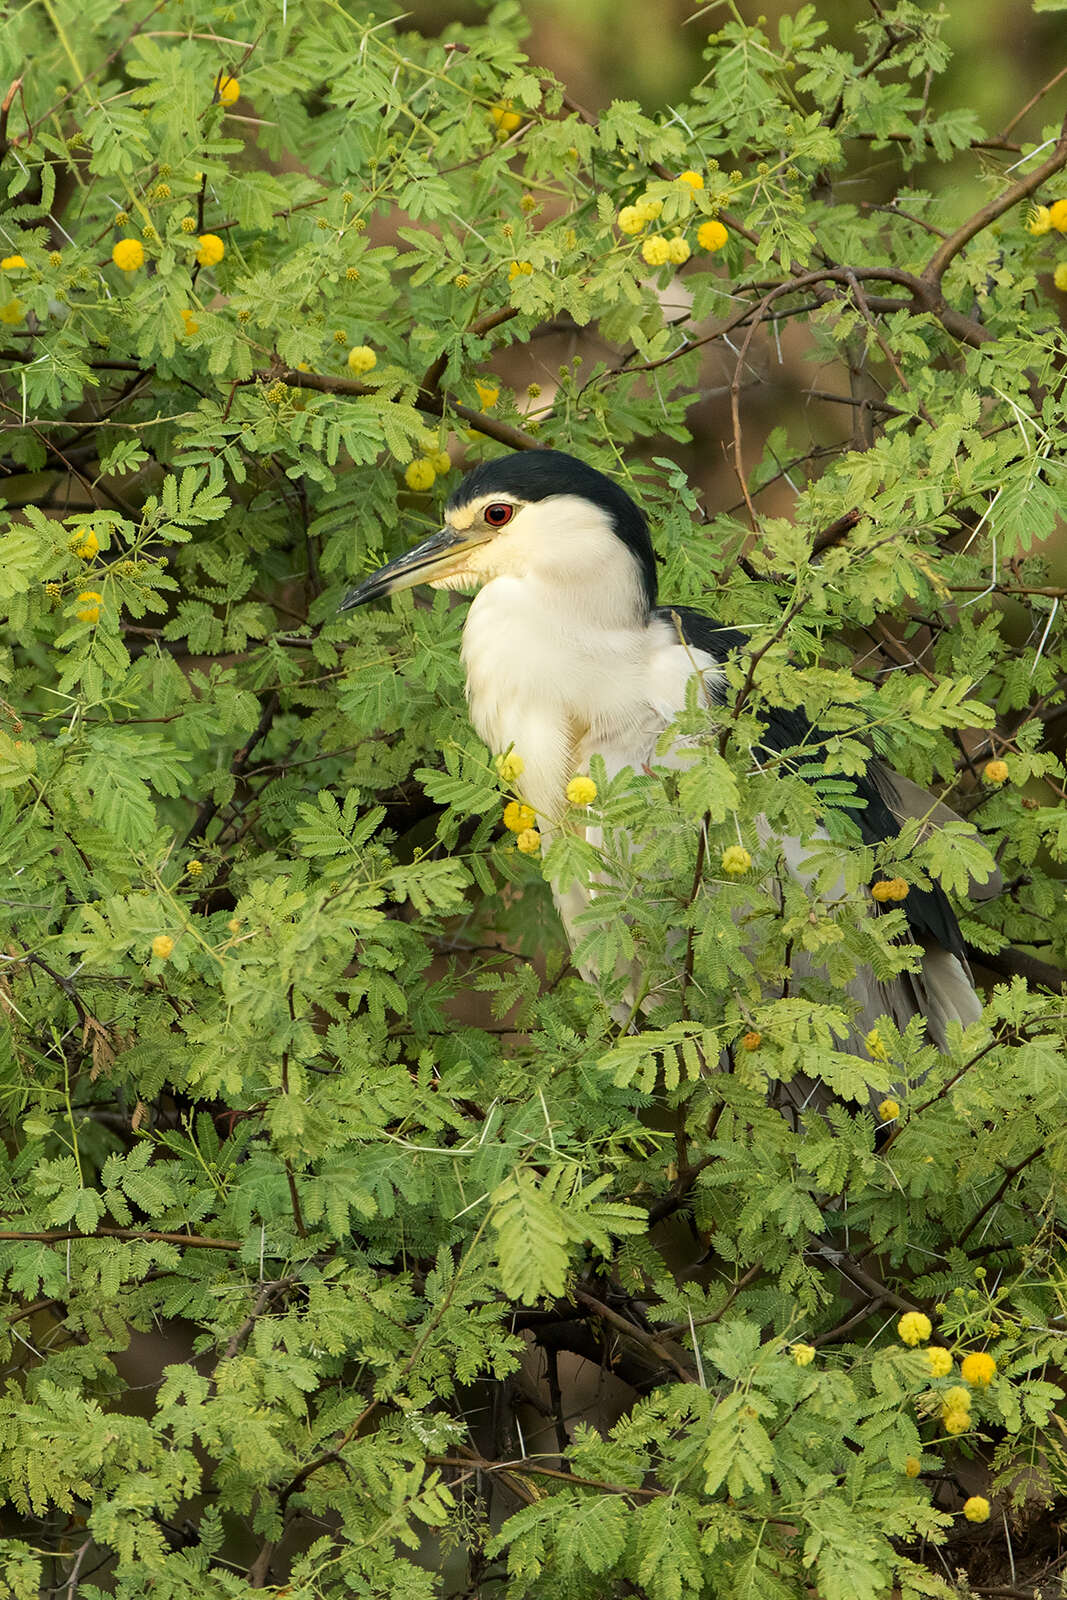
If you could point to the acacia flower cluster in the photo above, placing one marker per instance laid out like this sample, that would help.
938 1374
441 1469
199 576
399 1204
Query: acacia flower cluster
85 544
581 791
90 602
509 766
518 817
889 1110
128 255
162 945
914 1328
735 860
889 889
995 772
361 359
210 249
528 841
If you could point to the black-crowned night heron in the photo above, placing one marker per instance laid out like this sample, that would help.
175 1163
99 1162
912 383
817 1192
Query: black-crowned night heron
568 655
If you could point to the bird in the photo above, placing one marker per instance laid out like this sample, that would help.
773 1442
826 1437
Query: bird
569 654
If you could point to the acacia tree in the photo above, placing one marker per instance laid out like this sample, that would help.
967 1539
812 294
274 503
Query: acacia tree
305 1257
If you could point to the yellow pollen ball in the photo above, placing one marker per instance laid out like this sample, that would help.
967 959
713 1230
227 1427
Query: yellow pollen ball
630 220
509 766
581 791
128 255
519 269
488 394
90 601
678 251
517 817
803 1354
228 90
361 358
529 841
914 1327
195 869
912 1467
1057 216
1039 221
210 249
711 235
955 1420
505 118
736 860
1059 276
976 1509
10 263
85 544
440 461
939 1360
419 475
162 945
190 324
648 208
876 1046
889 1110
957 1398
693 179
882 890
995 772
751 1041
656 251
12 313
978 1368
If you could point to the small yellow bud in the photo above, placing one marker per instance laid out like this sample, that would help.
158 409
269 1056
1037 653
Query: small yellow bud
518 818
195 869
228 90
352 274
656 251
979 1368
53 590
914 1328
693 179
736 860
90 601
533 390
419 475
340 336
976 1509
361 359
162 945
462 280
751 1041
912 1467
210 250
55 259
996 772
277 394
529 841
188 224
803 1354
581 791
128 255
939 1361
121 218
889 1110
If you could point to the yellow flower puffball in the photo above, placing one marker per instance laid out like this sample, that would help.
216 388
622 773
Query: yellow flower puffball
210 249
361 358
128 255
803 1354
1057 215
581 791
90 602
518 817
162 945
85 543
939 1361
976 1509
419 475
529 841
656 251
995 772
912 1467
889 1110
509 766
711 235
678 251
228 90
914 1327
693 179
736 860
979 1369
12 263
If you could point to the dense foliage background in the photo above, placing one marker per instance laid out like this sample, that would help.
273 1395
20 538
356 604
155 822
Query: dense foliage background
351 1247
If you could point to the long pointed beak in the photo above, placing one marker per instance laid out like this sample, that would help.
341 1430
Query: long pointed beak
434 558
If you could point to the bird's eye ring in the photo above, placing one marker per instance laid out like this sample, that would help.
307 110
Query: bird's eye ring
498 513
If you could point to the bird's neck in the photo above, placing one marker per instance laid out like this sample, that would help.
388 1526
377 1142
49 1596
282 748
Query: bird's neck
549 664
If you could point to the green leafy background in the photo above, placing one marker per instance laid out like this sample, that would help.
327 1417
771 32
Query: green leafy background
327 1183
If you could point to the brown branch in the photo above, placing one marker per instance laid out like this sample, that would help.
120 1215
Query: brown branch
1012 963
836 532
5 111
1033 100
492 319
647 1341
192 1241
525 1466
1002 1188
935 268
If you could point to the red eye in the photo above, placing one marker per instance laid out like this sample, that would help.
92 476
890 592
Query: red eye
498 513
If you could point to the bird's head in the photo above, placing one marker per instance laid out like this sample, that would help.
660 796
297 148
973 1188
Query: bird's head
536 514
